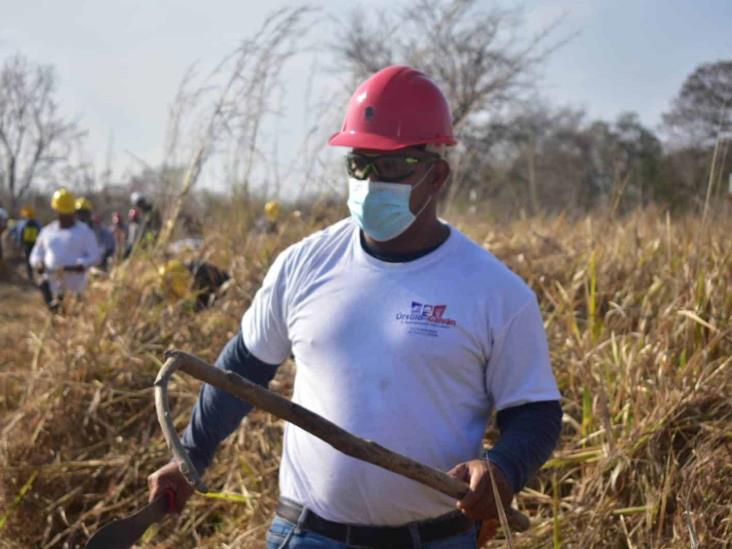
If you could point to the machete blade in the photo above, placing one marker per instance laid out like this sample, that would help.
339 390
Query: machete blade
123 533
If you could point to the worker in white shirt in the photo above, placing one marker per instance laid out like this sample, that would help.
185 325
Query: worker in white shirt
63 252
404 332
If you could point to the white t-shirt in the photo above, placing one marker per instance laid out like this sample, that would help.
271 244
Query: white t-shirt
57 248
413 356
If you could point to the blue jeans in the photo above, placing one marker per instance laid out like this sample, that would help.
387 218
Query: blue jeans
284 534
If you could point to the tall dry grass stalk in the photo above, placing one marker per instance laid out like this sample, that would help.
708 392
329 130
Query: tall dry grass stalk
228 108
637 312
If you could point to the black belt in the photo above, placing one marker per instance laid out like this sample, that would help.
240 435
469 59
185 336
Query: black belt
389 537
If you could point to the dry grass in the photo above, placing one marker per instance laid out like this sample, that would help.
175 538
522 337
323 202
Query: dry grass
638 315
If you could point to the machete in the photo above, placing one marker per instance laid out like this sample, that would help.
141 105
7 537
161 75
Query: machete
123 533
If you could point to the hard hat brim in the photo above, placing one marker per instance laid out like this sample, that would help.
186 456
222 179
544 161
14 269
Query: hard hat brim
362 140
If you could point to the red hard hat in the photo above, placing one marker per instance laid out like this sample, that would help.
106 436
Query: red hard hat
397 107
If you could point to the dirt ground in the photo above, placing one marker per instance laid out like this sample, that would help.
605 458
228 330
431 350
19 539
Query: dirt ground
22 312
21 304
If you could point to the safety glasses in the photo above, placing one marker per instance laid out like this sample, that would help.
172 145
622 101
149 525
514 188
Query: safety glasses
391 167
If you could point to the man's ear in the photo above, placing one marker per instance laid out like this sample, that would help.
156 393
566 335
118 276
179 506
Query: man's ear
441 173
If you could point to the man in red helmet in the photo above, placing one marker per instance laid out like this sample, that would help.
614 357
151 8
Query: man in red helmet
404 332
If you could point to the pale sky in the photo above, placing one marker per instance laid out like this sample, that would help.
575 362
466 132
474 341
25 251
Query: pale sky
119 62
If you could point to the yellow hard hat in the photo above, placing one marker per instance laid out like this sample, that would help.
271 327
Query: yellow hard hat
175 277
63 202
27 212
272 210
84 203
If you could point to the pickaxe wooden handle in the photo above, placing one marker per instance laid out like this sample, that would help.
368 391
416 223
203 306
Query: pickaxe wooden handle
337 437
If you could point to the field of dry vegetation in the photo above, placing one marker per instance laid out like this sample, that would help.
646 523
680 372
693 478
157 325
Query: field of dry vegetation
637 311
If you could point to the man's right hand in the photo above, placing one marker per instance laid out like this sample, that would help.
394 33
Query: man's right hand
170 477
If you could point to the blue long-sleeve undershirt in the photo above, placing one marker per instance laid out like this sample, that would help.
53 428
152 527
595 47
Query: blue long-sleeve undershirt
529 432
218 413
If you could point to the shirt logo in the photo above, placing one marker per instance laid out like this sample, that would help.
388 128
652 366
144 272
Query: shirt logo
425 318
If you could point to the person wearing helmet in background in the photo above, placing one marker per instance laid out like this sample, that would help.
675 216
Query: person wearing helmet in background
272 210
197 279
404 332
149 221
64 251
105 238
119 232
267 223
105 241
84 210
4 218
133 230
26 233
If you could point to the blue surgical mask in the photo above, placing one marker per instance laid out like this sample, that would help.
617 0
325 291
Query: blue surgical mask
381 209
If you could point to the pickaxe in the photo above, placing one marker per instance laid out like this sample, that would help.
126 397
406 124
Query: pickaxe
316 425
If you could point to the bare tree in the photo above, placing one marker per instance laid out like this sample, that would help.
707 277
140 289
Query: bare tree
34 136
701 116
225 112
475 55
702 111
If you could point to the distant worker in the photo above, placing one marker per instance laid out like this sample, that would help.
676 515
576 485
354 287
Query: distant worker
192 279
105 238
63 252
26 233
272 210
268 222
4 218
119 232
133 230
3 225
105 241
84 209
150 222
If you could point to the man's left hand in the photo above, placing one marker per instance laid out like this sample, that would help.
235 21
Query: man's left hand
479 503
